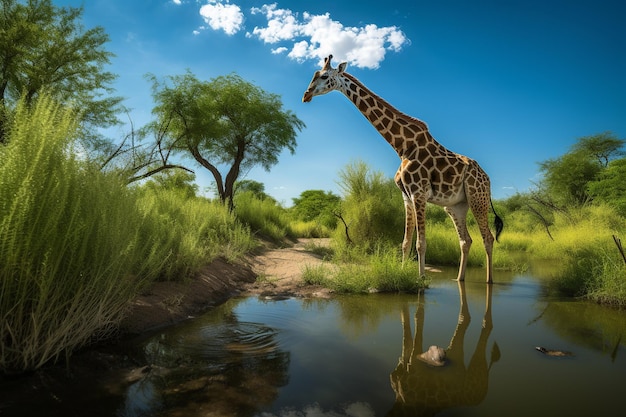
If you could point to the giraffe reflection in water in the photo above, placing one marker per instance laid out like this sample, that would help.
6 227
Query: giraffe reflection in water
428 382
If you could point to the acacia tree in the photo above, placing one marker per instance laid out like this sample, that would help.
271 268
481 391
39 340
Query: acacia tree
44 47
223 123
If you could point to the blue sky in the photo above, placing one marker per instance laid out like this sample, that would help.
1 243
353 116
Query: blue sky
508 83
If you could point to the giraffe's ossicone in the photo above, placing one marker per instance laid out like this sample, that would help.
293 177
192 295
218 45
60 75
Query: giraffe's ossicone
428 172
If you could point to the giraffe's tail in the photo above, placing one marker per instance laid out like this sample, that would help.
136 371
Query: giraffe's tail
497 222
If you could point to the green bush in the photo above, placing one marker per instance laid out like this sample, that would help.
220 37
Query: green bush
596 271
372 207
76 244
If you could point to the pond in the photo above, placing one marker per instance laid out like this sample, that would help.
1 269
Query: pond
364 356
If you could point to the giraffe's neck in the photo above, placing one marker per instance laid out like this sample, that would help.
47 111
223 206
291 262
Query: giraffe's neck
404 133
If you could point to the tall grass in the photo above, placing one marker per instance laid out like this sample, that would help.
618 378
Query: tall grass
591 265
264 217
76 244
194 230
309 229
72 248
363 270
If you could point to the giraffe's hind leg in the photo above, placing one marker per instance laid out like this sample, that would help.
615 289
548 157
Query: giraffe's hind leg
481 214
458 214
480 209
478 192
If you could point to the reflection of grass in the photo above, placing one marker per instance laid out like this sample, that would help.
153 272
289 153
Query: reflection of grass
595 327
380 271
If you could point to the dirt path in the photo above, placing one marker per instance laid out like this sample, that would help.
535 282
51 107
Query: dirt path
279 271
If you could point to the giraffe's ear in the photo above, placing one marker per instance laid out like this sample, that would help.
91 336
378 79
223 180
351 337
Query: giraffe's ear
342 67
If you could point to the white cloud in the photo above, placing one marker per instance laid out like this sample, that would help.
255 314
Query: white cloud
222 16
279 50
317 36
307 36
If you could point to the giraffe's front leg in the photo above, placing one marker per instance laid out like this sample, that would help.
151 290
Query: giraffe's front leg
409 226
420 244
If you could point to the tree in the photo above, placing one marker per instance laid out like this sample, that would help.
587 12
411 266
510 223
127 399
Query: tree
603 147
252 186
226 122
44 47
566 177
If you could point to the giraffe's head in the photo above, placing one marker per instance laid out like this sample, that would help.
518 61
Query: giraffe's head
324 80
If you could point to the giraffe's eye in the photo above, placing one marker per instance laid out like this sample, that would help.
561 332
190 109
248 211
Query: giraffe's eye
324 76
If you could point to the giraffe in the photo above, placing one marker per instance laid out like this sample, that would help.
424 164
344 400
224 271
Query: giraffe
428 171
425 387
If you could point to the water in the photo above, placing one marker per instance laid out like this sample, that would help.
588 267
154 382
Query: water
362 356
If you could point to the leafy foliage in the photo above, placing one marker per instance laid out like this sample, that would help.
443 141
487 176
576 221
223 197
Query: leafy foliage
177 180
317 205
45 48
223 122
565 178
610 186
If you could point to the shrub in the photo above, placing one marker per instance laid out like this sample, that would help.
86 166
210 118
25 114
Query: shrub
372 208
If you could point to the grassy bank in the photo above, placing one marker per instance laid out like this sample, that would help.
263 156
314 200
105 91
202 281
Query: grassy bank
77 244
360 270
579 241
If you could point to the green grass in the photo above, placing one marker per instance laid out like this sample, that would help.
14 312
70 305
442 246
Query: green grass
310 229
355 270
194 230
